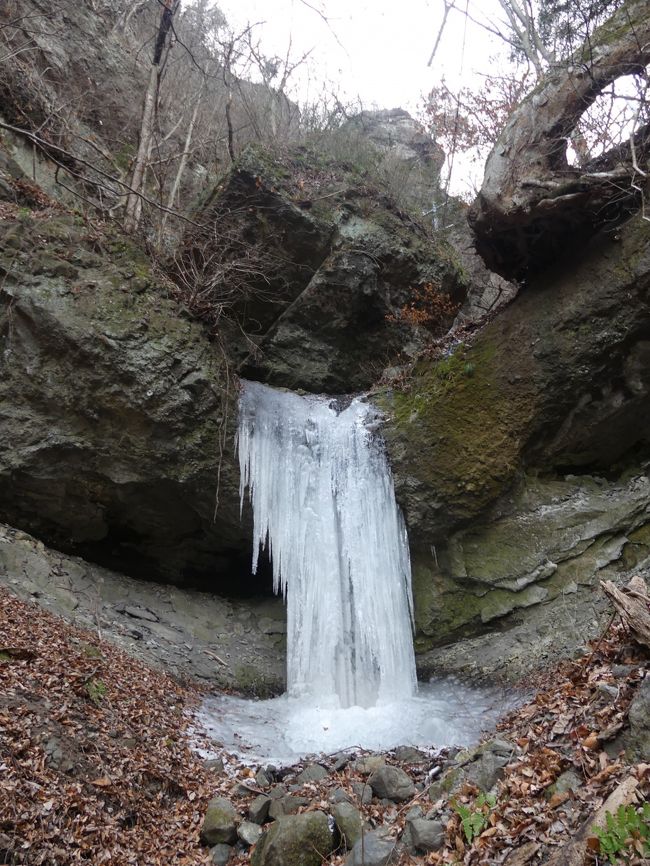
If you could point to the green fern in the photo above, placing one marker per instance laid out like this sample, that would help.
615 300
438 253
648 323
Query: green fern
475 819
626 833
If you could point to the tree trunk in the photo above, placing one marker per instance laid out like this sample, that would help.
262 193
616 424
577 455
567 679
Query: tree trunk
633 606
181 166
134 201
532 204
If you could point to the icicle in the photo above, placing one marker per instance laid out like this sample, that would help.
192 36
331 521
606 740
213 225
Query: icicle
324 506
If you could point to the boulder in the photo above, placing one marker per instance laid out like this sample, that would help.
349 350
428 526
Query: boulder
259 809
220 822
249 832
392 783
369 764
482 767
638 737
372 849
363 792
295 840
288 805
337 263
348 823
220 854
312 773
421 835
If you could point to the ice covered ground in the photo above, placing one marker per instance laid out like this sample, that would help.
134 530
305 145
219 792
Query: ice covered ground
282 730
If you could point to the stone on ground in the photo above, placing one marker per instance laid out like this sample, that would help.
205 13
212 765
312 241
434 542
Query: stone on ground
371 849
369 764
295 840
348 823
249 833
220 822
312 773
422 835
220 854
391 783
259 809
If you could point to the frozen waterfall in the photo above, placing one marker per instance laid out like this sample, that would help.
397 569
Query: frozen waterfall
323 504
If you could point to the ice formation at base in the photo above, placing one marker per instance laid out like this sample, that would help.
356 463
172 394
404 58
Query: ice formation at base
323 505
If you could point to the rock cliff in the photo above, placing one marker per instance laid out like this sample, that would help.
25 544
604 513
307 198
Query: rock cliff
519 455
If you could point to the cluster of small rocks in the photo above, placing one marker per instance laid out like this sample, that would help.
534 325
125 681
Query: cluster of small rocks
367 807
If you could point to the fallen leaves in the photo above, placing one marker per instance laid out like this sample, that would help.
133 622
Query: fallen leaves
104 776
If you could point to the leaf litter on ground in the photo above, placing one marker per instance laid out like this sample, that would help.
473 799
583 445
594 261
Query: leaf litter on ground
98 762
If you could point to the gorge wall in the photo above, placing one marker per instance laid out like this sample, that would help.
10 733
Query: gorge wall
519 453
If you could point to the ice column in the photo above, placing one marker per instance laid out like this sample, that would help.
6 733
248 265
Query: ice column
323 504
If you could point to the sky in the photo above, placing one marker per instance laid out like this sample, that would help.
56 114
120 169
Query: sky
375 51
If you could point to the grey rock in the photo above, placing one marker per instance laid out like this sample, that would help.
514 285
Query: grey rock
608 690
348 823
215 765
312 773
249 832
567 781
262 780
220 854
482 766
372 849
410 755
421 835
286 806
339 795
295 840
392 783
638 738
340 761
140 613
368 764
220 822
622 671
259 809
363 792
58 755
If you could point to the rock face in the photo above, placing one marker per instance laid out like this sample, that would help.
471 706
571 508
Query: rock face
556 385
225 643
410 161
339 261
518 459
113 409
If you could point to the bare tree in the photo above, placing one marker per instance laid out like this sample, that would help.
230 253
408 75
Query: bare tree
134 201
532 202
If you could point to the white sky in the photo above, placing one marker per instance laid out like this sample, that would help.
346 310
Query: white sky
373 51
376 50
